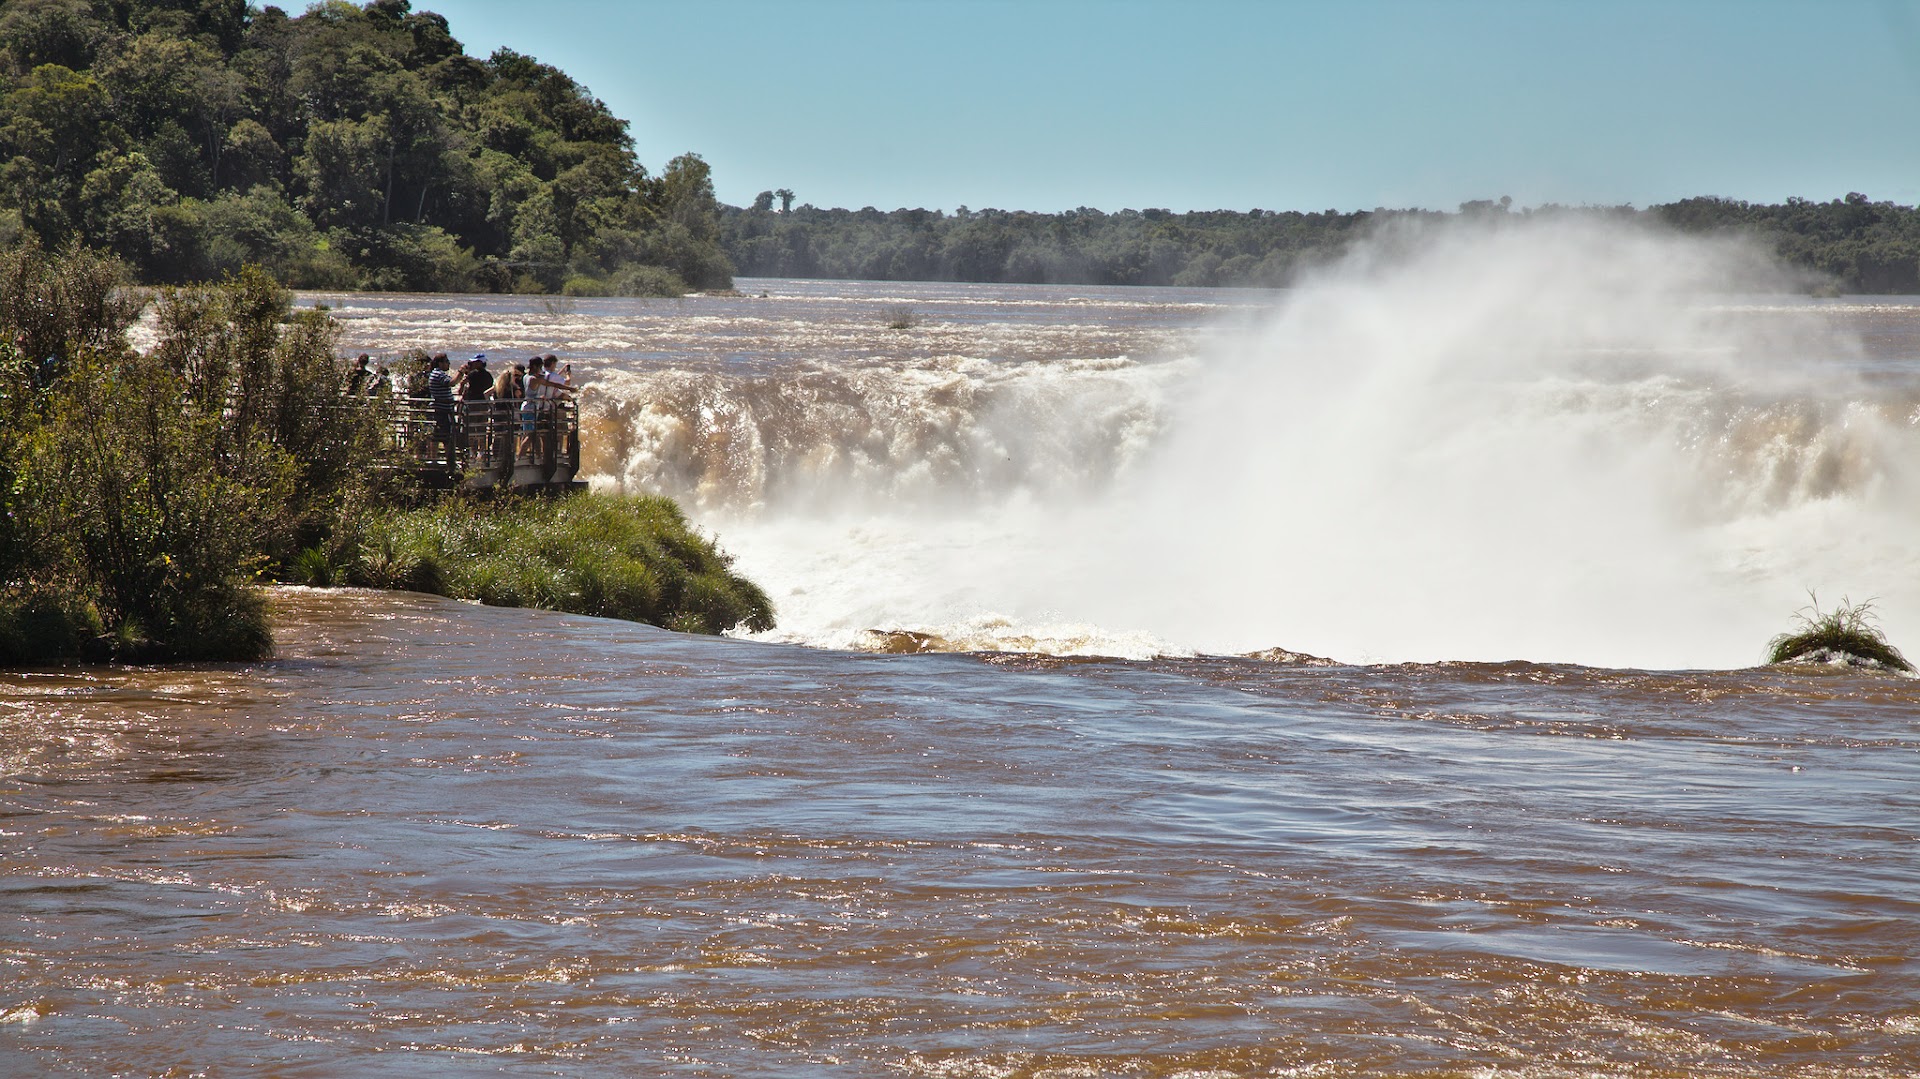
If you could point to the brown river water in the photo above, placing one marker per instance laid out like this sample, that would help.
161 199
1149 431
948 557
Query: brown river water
441 839
1538 816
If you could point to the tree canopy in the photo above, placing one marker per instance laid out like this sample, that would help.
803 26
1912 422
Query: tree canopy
1854 243
359 146
349 146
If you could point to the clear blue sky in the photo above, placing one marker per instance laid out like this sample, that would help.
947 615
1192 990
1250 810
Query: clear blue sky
1235 104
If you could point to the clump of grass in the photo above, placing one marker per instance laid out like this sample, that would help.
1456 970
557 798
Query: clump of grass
615 557
312 566
1845 635
899 317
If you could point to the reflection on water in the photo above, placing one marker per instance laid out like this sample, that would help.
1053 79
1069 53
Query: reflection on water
434 834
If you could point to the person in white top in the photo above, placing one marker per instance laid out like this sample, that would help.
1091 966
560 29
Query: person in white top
544 386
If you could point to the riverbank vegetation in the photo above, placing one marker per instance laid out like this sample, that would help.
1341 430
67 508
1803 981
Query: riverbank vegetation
617 557
352 146
1845 636
139 502
145 495
1852 244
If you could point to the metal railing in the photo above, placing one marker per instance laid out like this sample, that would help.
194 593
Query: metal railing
488 443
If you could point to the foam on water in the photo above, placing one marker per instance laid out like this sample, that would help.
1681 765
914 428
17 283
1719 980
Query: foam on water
1546 443
1558 442
1549 440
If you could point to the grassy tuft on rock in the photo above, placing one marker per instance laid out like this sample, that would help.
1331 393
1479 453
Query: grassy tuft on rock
605 555
1845 635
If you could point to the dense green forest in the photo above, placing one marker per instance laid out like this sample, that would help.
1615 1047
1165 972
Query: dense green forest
1853 243
346 147
358 146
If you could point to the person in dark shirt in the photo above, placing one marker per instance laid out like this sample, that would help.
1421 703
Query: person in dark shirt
474 385
360 376
475 381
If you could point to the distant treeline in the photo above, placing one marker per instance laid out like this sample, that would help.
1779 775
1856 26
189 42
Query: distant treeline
358 146
1862 245
347 147
1855 243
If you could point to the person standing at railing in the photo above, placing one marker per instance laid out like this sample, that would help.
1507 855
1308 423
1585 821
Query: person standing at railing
508 391
536 415
440 392
474 385
556 418
564 416
358 378
419 364
531 390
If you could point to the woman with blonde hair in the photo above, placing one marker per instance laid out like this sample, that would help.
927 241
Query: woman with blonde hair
508 390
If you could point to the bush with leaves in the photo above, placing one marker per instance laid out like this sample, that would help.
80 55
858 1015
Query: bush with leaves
130 511
143 494
273 379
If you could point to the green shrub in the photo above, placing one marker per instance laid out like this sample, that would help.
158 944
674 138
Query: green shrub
614 557
319 266
1845 635
59 304
223 621
312 566
133 501
641 280
583 285
48 623
157 487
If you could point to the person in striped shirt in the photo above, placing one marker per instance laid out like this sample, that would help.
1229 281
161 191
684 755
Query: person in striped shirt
440 391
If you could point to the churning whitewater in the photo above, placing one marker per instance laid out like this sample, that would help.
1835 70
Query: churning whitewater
1557 441
438 838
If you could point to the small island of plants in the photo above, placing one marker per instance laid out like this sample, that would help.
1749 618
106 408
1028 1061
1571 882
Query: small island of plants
1845 636
145 495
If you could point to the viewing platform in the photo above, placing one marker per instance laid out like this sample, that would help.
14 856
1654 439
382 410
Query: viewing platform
488 448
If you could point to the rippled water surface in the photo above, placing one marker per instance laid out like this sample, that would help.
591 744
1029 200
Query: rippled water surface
997 798
434 838
1501 452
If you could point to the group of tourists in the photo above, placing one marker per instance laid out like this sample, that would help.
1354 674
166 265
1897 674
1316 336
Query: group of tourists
476 410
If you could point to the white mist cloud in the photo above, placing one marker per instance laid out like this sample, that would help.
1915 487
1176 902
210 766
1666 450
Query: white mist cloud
1561 440
1553 439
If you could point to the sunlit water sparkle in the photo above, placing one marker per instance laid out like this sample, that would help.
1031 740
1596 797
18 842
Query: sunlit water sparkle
1074 838
436 838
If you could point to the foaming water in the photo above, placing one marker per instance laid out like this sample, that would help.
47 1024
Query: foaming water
936 435
402 850
1549 442
434 838
1557 441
